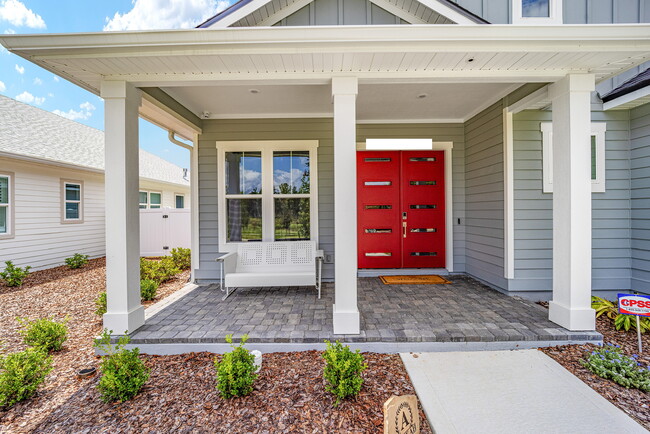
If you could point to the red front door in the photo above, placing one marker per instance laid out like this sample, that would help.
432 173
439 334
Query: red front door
401 209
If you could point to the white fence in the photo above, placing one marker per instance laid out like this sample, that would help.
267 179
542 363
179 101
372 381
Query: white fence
163 229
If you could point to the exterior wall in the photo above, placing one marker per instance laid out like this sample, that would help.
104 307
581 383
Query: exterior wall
640 197
484 202
168 191
534 212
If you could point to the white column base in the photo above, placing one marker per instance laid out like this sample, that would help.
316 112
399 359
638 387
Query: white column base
346 322
121 322
574 319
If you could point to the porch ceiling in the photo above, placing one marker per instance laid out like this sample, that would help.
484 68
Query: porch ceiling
387 54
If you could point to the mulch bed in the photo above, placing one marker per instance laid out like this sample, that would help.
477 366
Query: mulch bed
632 401
58 292
289 396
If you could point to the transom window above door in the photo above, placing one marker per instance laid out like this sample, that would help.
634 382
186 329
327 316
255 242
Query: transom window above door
267 191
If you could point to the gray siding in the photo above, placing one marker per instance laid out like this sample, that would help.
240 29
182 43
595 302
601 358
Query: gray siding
640 197
494 11
340 12
484 196
534 209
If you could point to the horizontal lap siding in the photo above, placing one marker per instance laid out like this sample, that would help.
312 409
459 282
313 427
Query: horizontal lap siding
640 173
41 240
534 209
484 212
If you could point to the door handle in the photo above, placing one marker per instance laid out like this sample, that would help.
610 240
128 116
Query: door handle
404 229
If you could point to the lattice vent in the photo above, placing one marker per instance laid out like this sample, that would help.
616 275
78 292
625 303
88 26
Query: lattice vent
250 255
276 253
302 253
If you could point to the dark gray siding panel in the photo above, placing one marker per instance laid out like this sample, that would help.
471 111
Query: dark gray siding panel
640 173
340 12
494 11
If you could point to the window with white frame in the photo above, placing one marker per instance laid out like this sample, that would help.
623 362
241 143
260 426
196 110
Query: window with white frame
536 12
150 200
267 191
6 205
597 145
72 201
180 201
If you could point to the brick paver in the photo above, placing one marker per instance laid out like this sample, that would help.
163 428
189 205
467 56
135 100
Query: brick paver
463 311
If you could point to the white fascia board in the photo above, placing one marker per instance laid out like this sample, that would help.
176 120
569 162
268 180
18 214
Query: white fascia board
398 12
283 13
448 12
640 93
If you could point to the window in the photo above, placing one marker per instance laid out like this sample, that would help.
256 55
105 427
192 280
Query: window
144 200
6 205
72 201
597 156
150 199
267 191
537 12
180 201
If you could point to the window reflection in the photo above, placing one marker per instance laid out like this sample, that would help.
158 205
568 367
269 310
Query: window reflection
535 8
243 173
291 172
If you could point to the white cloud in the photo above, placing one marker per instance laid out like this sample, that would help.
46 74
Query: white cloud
55 78
165 14
17 14
10 32
20 69
51 95
2 87
86 112
38 81
30 99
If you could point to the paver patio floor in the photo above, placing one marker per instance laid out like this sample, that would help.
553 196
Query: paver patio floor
462 311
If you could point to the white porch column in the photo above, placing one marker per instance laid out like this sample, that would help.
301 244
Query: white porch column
571 305
121 102
346 313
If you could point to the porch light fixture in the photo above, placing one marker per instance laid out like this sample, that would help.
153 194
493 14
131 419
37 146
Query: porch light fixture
398 144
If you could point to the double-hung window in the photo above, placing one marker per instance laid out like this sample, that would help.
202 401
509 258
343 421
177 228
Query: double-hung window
150 199
267 192
6 204
537 12
72 201
180 201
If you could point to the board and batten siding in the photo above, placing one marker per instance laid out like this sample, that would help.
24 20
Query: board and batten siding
484 215
534 209
40 239
640 197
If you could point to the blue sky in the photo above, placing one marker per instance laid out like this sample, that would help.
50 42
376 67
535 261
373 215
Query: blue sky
31 84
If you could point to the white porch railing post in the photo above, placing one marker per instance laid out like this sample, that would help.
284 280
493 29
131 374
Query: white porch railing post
346 312
121 102
571 103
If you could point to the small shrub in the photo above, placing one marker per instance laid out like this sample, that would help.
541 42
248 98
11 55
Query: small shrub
182 258
342 371
160 271
45 334
21 373
148 289
13 275
609 362
101 304
76 261
236 370
621 320
122 372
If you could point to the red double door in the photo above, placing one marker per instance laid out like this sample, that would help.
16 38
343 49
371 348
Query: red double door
401 209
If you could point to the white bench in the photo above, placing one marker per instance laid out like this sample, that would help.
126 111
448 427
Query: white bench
281 263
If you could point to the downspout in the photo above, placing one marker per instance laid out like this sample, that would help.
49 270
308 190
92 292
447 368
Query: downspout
170 136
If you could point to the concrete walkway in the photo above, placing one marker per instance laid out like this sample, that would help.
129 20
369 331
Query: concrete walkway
509 392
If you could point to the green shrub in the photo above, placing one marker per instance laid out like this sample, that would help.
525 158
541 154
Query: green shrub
160 271
621 320
101 304
342 371
21 373
45 333
76 261
610 362
236 370
13 275
148 289
182 258
122 372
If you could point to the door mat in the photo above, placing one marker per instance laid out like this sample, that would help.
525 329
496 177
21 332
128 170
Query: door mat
413 280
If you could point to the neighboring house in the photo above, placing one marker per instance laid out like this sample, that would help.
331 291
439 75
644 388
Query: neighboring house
282 99
52 186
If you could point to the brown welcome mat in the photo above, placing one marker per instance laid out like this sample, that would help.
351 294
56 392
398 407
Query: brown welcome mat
413 280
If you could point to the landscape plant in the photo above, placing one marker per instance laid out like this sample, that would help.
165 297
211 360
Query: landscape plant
609 362
21 373
158 270
236 370
45 334
123 374
14 276
76 261
148 289
101 304
621 320
182 258
343 368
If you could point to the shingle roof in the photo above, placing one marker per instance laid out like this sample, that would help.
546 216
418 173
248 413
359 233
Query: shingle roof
637 82
30 131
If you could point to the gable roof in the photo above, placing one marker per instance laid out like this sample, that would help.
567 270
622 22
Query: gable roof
32 132
637 82
241 13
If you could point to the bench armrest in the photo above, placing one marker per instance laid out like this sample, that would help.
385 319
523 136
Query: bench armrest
229 261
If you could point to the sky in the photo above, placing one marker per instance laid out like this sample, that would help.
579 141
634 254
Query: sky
26 82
